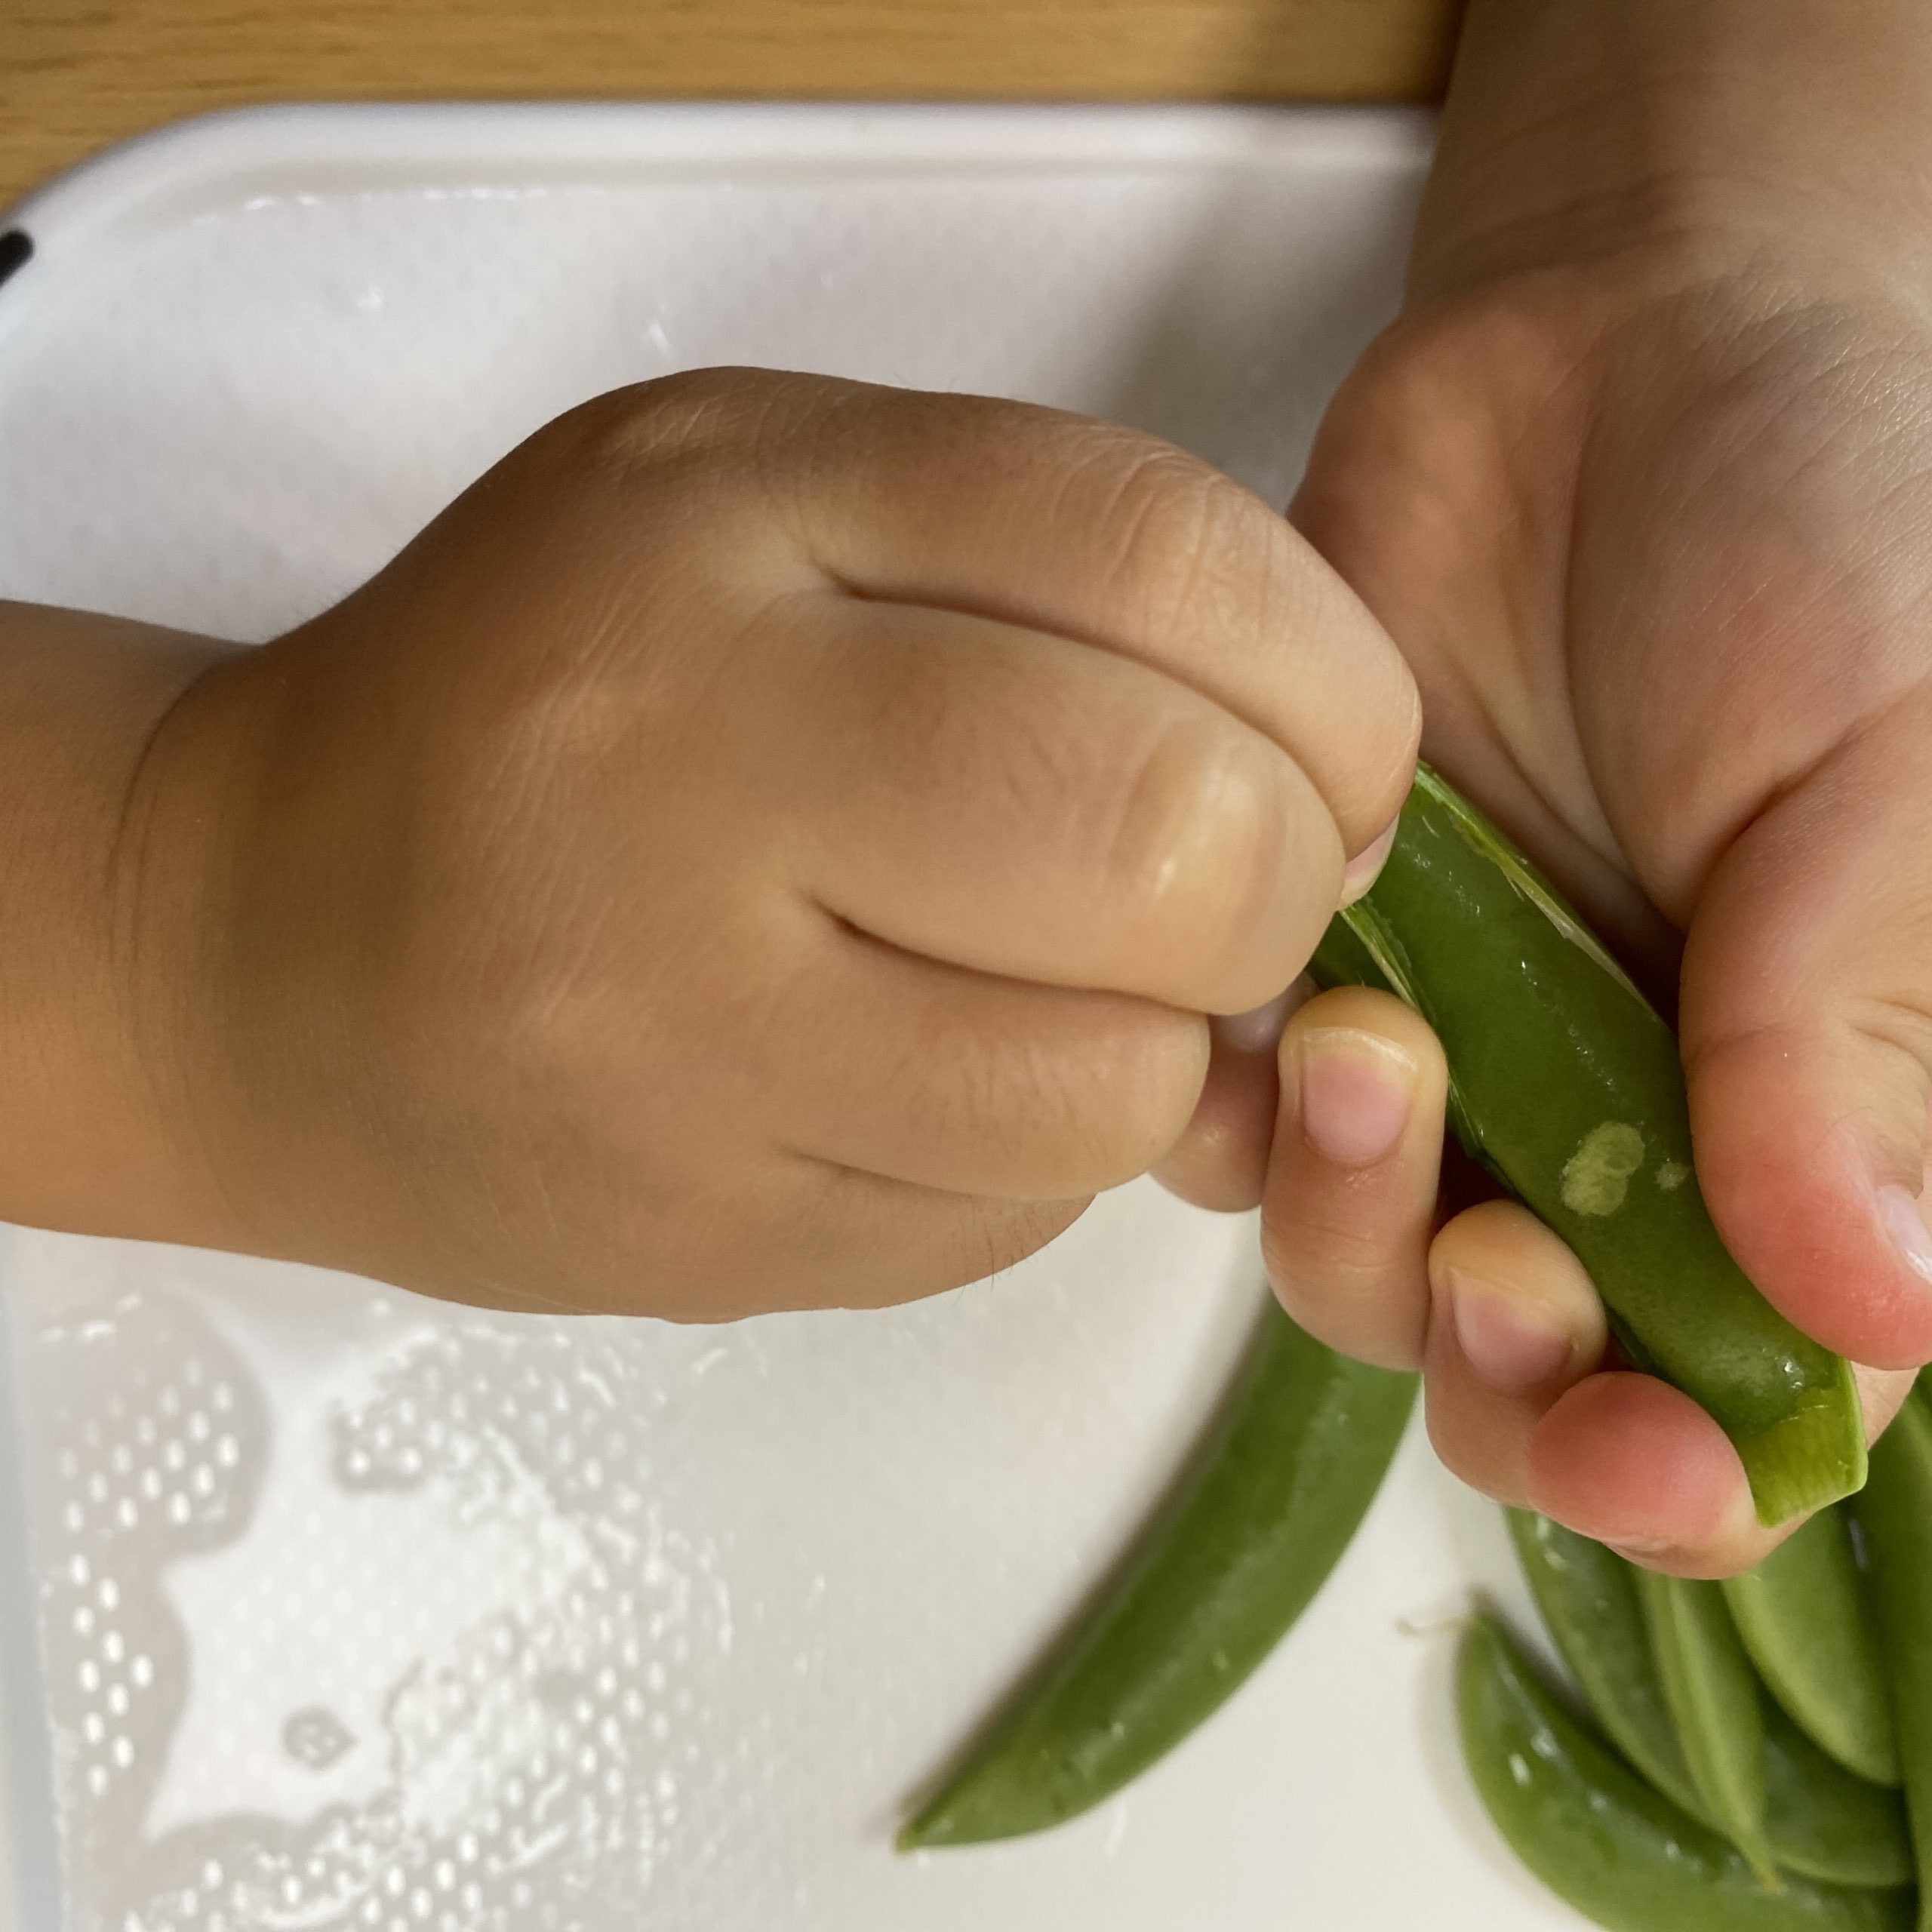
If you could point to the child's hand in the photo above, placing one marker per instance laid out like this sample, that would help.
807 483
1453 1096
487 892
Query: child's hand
1642 485
771 842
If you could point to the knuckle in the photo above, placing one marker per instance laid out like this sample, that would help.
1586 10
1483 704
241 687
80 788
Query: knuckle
1032 759
1152 1084
1347 1282
1328 1257
1074 1111
1385 765
1189 545
1466 1445
1198 849
1199 805
647 427
984 731
1087 1120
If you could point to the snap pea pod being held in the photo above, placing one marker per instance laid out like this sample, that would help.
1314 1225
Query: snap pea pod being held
1565 1083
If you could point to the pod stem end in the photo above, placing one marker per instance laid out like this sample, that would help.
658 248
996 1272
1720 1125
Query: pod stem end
1797 1465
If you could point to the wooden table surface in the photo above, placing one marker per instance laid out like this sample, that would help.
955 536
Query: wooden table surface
75 74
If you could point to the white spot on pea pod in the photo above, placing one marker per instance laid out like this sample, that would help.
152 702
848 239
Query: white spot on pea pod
1671 1175
1597 1177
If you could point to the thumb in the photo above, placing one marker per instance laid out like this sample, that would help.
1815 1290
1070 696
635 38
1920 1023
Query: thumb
1806 1021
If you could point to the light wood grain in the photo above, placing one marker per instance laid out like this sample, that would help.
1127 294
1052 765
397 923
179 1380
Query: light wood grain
74 76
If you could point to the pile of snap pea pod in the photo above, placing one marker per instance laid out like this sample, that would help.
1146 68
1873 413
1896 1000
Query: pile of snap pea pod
1757 1732
1747 1741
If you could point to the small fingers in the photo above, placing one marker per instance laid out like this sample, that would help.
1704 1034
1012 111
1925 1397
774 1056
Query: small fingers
1052 522
1515 1321
1350 1193
1520 1407
1638 1465
852 1240
1027 806
973 1084
1110 537
1221 1162
863 1240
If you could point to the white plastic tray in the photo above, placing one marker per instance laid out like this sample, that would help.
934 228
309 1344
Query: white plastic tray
357 1612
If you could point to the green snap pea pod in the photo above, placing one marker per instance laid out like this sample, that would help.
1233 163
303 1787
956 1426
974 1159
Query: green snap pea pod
1712 1692
1601 1839
1806 1620
1829 1823
1566 1083
1226 1565
1819 1820
1895 1514
1587 1595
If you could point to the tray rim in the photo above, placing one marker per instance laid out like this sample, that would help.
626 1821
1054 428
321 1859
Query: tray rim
201 163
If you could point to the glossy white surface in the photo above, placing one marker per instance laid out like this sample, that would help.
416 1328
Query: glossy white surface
358 1612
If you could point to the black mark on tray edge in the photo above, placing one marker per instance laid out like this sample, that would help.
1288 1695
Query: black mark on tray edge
15 251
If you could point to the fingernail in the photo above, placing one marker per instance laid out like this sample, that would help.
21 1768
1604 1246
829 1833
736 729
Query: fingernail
1636 1548
1366 865
1356 1092
1509 1342
1906 1226
1259 1030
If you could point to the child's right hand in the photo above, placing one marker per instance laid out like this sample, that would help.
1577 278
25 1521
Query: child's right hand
771 842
